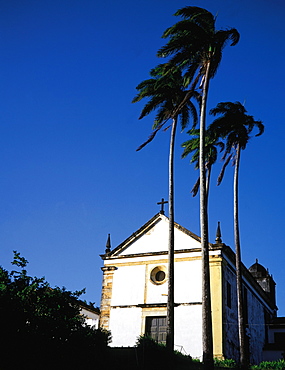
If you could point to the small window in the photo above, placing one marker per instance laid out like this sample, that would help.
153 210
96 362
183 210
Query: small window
279 338
158 275
229 295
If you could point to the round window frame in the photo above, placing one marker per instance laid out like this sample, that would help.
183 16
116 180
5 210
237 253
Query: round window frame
154 272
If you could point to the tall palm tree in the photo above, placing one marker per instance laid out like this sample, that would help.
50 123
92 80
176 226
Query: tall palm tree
235 126
196 46
211 154
165 93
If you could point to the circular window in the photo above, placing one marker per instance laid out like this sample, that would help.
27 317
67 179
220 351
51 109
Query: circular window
158 275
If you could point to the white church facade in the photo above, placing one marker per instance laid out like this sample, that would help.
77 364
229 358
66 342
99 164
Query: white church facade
134 293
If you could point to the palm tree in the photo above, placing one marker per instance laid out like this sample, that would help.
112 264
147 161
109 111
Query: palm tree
211 155
196 46
235 126
165 92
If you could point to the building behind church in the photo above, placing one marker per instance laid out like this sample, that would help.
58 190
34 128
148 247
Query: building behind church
134 293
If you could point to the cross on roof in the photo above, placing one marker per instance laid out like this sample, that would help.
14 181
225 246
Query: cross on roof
163 202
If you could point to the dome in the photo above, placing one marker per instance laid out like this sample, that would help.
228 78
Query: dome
257 270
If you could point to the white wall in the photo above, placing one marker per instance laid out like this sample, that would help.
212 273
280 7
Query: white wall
125 326
188 323
91 318
155 293
156 240
128 285
188 281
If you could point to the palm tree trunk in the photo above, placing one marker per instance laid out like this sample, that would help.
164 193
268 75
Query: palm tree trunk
208 176
241 326
207 336
170 297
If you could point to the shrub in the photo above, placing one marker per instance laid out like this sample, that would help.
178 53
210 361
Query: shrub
271 365
153 355
225 363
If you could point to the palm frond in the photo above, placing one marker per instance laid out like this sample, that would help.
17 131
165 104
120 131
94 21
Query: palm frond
234 124
195 188
167 95
221 175
260 127
193 113
150 106
150 138
201 16
224 36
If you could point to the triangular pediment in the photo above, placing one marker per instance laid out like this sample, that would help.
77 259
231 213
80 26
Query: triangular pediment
152 237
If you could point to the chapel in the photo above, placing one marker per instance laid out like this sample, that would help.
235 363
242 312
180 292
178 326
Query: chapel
134 292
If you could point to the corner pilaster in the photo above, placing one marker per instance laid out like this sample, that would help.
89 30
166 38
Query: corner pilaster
107 286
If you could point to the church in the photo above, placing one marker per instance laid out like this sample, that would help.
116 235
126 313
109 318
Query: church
134 293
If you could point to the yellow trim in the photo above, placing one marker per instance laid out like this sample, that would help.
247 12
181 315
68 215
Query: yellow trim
217 305
153 273
153 262
146 283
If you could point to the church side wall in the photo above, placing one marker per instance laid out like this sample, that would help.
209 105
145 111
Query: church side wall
254 317
256 327
230 327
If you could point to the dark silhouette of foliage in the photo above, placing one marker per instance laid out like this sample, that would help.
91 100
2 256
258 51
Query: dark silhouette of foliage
42 326
153 355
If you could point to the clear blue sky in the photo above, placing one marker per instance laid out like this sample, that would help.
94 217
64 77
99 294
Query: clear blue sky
69 172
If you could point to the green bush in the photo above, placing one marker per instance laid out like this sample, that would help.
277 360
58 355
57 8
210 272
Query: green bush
225 363
270 365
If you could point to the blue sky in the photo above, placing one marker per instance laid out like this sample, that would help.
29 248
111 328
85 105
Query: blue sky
69 172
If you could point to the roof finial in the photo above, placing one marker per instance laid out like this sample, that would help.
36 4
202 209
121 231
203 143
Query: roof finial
218 234
163 202
108 245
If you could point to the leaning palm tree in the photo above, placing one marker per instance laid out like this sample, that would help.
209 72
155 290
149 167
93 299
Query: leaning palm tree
211 154
196 46
235 126
165 93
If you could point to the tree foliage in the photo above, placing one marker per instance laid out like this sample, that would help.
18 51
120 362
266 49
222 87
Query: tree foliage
233 125
165 91
192 146
43 325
